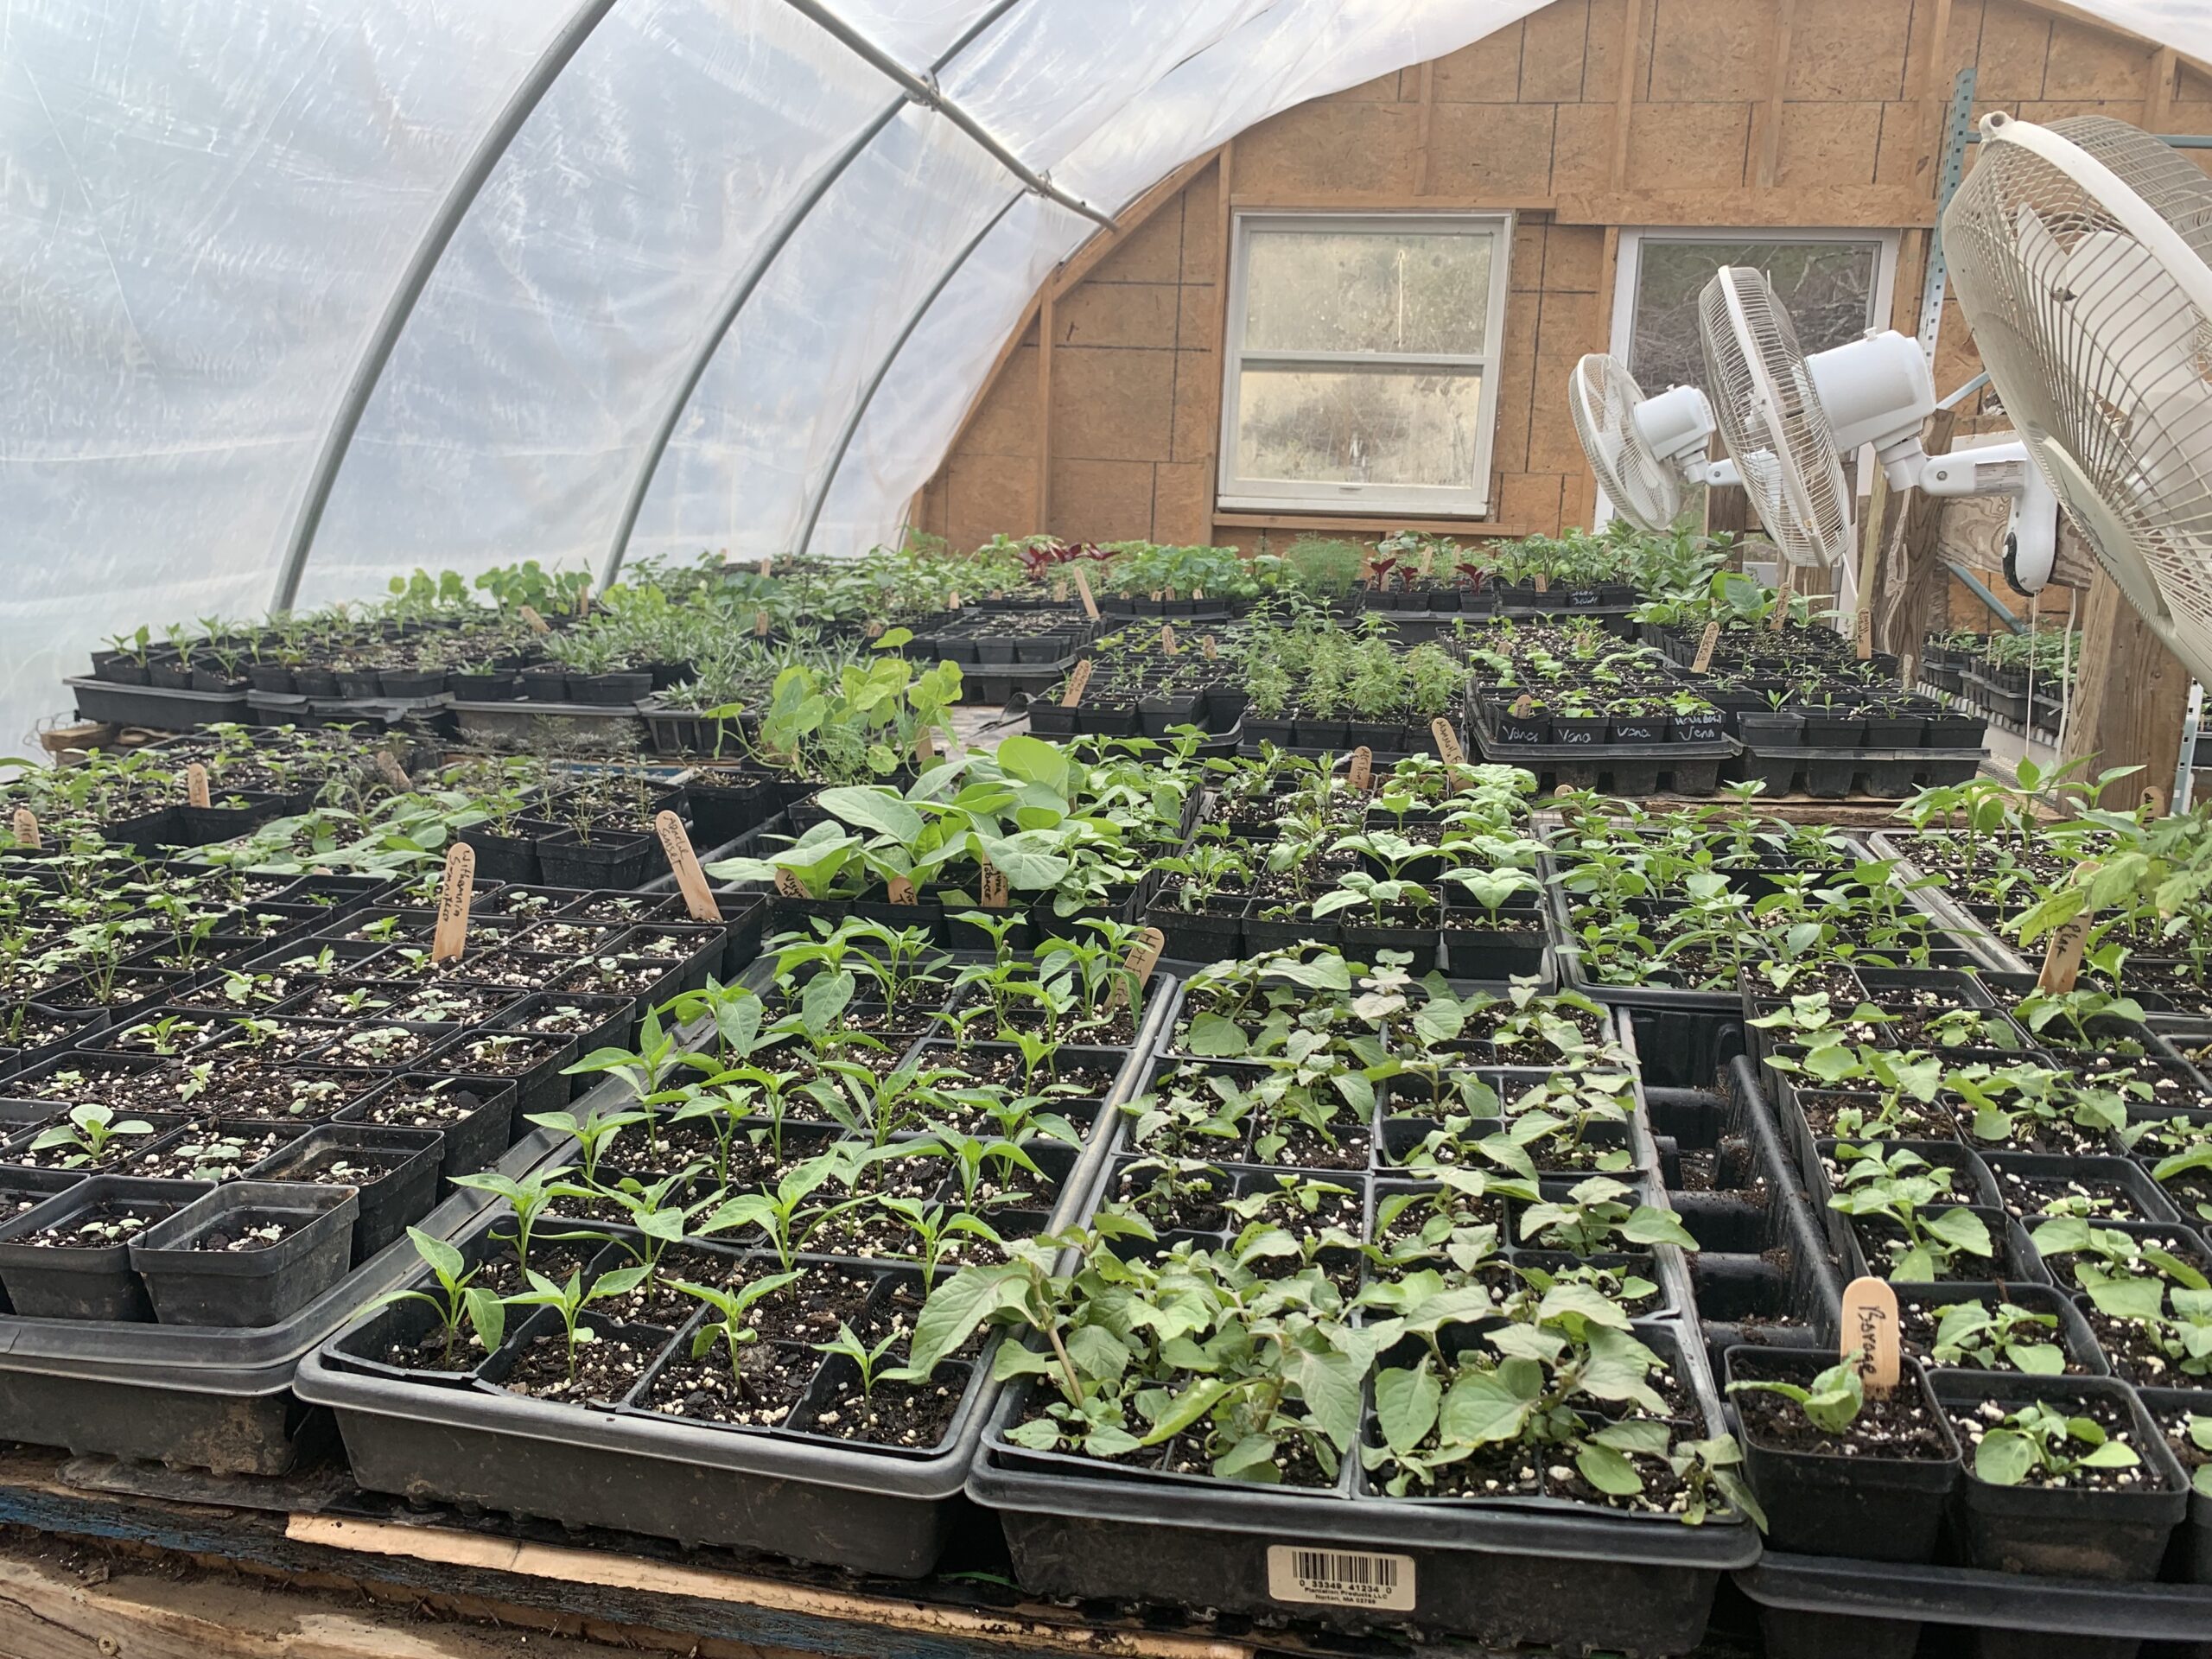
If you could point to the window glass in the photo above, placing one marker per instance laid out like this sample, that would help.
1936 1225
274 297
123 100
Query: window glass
1828 287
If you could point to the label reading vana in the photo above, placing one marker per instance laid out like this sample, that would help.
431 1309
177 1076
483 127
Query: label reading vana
1340 1578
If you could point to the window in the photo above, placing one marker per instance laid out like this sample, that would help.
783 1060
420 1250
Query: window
1835 285
1362 365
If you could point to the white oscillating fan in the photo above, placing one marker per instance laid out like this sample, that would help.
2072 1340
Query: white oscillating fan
2083 255
1642 449
1789 420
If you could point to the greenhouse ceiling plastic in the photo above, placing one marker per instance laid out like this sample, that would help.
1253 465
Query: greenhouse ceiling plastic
296 294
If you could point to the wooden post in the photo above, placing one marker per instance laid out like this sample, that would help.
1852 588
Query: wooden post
1043 427
2132 695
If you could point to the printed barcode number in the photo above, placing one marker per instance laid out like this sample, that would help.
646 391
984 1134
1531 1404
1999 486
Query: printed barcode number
1341 1578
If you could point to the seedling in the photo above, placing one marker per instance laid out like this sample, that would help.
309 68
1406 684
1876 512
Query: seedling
457 1301
2042 1440
1833 1401
731 1331
94 1134
1596 1217
2006 1337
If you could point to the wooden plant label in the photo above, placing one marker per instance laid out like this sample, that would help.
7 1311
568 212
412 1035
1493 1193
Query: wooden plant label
455 893
1060 591
1207 649
1543 582
789 885
1082 590
759 625
900 889
690 879
537 624
1362 774
195 784
1170 594
1144 956
1706 643
1869 1329
767 564
27 828
583 600
1523 706
1197 593
2061 957
1448 742
1077 680
1167 639
874 631
1158 593
2154 801
952 600
389 769
925 748
1786 582
1428 563
1863 631
994 886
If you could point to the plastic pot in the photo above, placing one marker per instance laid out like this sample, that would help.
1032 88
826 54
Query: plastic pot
1582 730
391 1201
1826 1503
247 1289
1772 731
46 1282
610 690
411 682
475 1114
2063 1532
608 861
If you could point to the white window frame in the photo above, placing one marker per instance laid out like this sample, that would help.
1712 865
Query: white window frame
1628 278
1436 501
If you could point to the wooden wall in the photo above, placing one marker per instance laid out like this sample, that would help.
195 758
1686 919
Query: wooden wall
1102 421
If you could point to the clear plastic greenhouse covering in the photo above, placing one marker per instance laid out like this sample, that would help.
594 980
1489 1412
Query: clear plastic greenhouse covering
605 275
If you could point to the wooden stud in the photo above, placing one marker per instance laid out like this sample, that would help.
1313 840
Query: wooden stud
1631 51
1046 322
683 861
1425 130
455 894
1777 86
2158 104
1101 245
2130 695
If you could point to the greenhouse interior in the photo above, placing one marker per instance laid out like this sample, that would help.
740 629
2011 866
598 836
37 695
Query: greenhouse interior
1170 828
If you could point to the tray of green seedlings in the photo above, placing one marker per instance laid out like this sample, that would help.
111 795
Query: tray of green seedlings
1376 1314
694 1319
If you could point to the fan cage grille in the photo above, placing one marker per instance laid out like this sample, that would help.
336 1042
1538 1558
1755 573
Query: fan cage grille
1644 490
1818 531
2097 351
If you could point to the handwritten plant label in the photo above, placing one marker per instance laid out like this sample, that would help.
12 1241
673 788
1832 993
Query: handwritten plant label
1869 1330
195 784
1167 639
690 879
788 884
1078 679
994 886
1448 742
455 893
27 828
1082 590
900 889
1143 958
1362 774
1705 645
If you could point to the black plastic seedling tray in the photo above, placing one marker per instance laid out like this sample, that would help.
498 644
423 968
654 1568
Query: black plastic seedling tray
1874 774
1539 1571
146 705
782 1491
1628 769
201 1396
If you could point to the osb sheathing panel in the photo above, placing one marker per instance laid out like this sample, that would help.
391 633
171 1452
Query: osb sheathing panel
1518 121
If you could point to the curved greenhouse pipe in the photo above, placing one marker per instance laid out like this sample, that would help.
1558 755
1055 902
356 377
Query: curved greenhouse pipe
376 352
821 495
725 318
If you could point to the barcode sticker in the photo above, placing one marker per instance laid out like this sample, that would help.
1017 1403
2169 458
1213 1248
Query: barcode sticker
1340 1578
